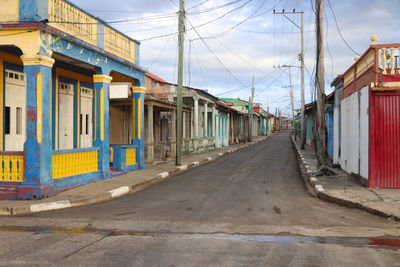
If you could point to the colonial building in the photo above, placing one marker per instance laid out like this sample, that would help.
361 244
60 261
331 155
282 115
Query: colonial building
57 62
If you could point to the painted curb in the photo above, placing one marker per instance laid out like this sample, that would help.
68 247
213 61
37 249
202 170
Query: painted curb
118 192
320 192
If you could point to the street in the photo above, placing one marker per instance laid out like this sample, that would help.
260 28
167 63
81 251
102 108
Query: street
248 208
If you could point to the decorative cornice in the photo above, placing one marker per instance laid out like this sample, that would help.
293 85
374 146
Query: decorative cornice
138 89
30 60
100 78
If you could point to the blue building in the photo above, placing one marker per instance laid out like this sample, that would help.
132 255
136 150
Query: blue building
59 68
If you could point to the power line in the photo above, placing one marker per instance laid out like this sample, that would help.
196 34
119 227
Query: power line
212 52
197 5
162 51
337 27
214 8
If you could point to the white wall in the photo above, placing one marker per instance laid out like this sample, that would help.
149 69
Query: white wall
336 114
355 133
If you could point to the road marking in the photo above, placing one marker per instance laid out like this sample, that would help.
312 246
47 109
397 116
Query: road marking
119 191
163 175
209 158
309 171
313 179
182 168
319 188
220 154
50 206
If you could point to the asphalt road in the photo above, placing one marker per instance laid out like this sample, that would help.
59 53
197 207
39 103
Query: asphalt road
247 208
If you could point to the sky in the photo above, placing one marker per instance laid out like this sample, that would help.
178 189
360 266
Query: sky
228 42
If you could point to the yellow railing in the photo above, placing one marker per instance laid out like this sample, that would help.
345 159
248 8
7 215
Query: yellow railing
12 168
118 44
69 19
130 156
74 163
111 154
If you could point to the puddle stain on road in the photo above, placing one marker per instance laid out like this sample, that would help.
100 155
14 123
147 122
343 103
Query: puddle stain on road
277 239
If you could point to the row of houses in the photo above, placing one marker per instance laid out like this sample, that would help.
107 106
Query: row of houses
363 118
78 107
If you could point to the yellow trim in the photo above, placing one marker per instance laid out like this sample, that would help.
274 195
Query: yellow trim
29 60
73 75
133 118
139 116
130 156
16 172
56 120
1 102
78 107
95 115
69 164
39 108
100 78
102 114
138 89
51 105
28 40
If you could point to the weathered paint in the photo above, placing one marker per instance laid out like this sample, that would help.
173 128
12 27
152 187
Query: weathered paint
39 112
102 114
329 130
75 162
355 134
138 96
385 140
9 12
33 10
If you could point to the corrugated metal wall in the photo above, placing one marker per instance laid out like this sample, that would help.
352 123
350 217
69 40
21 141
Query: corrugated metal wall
385 140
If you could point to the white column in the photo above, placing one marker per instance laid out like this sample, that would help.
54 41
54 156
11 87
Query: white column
150 137
205 119
196 118
213 121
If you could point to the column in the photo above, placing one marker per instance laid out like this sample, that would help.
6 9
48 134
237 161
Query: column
150 134
173 133
196 124
205 129
187 137
206 119
213 121
138 123
37 147
101 84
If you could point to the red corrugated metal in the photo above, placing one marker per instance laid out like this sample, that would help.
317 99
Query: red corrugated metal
385 140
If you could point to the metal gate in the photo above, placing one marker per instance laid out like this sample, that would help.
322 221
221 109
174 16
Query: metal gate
385 140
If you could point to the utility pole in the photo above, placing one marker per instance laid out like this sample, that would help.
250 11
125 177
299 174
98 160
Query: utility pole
180 81
251 112
320 83
291 93
303 124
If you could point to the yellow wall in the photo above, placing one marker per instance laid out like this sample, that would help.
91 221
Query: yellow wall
9 11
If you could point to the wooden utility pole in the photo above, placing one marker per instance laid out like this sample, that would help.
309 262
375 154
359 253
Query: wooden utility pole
303 124
180 81
320 84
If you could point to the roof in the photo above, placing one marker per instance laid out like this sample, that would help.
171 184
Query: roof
155 77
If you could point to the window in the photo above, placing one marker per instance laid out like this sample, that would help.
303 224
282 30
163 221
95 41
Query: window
19 121
7 120
87 124
80 124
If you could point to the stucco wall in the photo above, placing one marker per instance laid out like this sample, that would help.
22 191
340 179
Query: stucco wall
355 133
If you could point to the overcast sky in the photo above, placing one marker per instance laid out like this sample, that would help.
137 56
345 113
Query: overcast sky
243 38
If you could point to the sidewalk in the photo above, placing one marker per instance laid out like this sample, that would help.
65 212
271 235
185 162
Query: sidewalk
344 189
117 186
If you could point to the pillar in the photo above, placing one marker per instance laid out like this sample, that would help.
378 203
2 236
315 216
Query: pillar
205 119
150 133
173 133
213 121
101 84
138 123
187 137
37 147
196 124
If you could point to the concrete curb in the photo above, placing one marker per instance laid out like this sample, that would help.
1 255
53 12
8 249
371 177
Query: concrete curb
319 191
118 192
